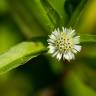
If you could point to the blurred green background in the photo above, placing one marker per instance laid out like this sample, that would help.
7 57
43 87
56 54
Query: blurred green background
34 20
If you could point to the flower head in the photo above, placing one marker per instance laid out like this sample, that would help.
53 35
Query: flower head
64 44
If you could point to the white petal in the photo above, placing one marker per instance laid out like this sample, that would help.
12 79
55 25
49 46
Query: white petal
74 51
52 37
50 40
66 56
58 30
51 44
55 54
64 29
71 33
77 47
55 32
59 56
51 49
76 40
71 55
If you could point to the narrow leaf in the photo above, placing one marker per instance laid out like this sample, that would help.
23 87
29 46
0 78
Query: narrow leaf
19 54
86 38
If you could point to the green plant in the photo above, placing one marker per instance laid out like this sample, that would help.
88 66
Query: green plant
24 29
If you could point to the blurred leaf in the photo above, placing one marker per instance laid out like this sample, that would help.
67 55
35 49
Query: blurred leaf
9 34
51 13
87 20
25 20
36 9
19 55
20 85
58 6
85 38
38 17
77 13
76 87
3 6
40 13
83 19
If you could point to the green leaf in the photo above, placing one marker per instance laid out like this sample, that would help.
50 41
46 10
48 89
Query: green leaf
77 13
58 6
9 34
19 54
86 38
25 20
86 23
37 9
3 6
76 86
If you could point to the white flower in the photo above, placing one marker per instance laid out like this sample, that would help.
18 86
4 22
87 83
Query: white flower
64 44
